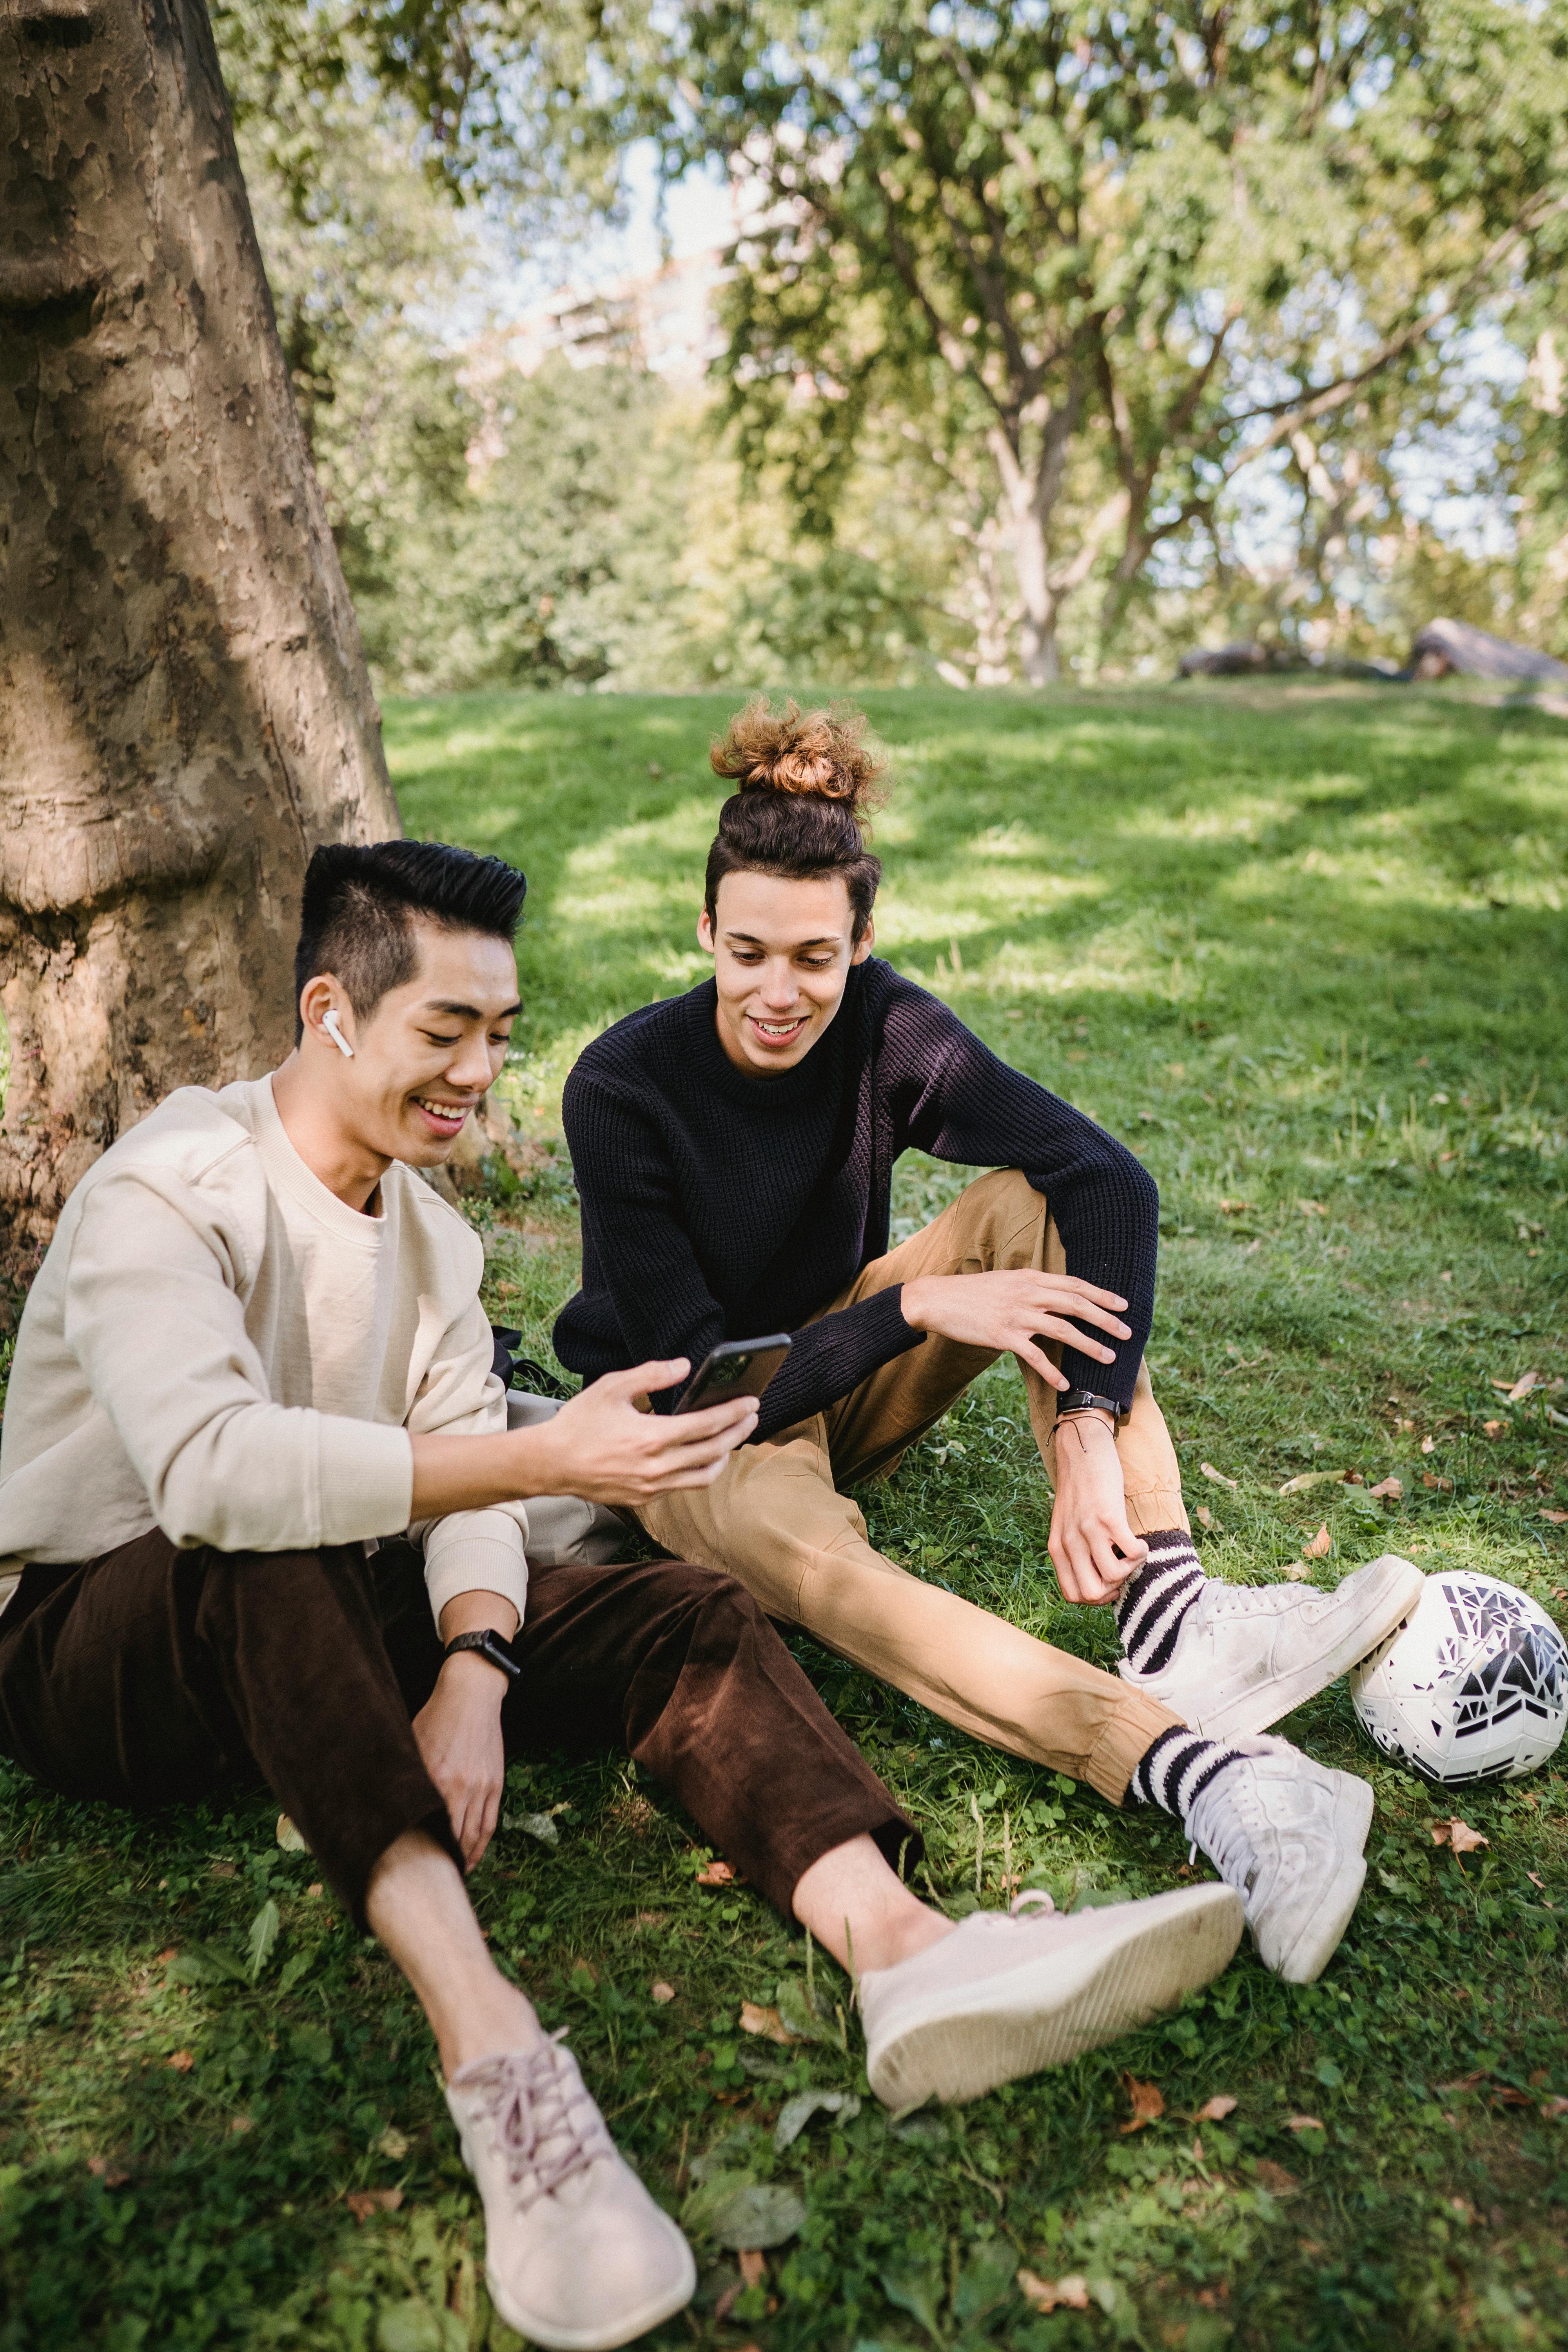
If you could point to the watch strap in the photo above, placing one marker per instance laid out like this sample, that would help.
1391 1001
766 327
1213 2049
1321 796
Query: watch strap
493 1647
1087 1401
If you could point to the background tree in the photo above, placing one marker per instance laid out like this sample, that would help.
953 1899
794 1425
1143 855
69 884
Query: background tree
183 708
1126 252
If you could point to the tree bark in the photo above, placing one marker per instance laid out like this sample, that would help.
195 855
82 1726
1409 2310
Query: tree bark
184 711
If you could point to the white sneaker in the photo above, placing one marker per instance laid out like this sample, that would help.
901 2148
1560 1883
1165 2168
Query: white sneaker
1288 1834
1006 1994
577 2255
1248 1654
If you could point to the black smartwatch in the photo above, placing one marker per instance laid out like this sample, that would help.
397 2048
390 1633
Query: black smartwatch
1085 1400
491 1646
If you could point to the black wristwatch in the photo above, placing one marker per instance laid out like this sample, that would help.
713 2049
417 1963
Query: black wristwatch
491 1646
1085 1400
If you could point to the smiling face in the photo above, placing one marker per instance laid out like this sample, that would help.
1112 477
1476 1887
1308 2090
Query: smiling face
782 951
427 1056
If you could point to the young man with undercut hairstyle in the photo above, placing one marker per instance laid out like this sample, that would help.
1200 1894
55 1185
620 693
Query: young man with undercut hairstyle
261 1511
734 1149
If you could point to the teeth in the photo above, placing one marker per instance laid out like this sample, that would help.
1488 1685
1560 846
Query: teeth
443 1111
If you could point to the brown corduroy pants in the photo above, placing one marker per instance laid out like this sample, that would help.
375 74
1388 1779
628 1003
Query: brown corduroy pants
149 1676
776 1519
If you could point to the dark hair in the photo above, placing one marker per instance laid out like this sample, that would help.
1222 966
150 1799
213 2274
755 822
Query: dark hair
360 901
806 781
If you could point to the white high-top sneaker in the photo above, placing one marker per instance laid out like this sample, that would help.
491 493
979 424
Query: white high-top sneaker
1009 1992
577 2255
1288 1834
1246 1654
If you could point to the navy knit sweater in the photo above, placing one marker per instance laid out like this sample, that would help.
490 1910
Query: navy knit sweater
718 1206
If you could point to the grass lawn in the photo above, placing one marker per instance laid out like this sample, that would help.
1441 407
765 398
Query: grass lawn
1301 946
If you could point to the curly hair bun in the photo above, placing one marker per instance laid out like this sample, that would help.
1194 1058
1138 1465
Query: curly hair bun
817 754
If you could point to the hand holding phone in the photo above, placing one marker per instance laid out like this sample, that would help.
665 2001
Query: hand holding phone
734 1367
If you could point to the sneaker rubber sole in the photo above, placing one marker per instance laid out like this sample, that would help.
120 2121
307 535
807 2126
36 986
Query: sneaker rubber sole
1304 1960
1388 1604
957 2044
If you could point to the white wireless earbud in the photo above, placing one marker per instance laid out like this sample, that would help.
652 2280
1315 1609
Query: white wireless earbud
330 1024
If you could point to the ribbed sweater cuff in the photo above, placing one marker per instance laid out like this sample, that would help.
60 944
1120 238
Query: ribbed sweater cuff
475 1551
831 1358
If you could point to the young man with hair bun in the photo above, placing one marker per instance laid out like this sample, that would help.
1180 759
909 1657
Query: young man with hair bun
261 1513
734 1149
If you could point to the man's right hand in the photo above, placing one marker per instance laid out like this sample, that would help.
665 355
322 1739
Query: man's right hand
599 1446
603 1447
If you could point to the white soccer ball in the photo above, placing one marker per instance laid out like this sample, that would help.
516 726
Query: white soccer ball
1473 1687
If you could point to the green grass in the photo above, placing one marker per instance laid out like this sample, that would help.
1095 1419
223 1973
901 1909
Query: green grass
1301 946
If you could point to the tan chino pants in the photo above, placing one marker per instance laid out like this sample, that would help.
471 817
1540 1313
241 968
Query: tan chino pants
776 1520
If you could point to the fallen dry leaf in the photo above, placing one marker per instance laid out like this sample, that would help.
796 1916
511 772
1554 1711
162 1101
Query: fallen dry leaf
1214 2110
1552 2109
315 1888
1316 1546
1303 2123
182 2061
1044 2295
109 2174
1308 1478
718 1873
1428 1445
1205 1517
241 2123
1297 1571
1275 2178
164 1958
1493 1428
1458 1834
660 1991
1389 1490
363 2202
1523 1386
1235 1208
1147 2103
1311 1208
1218 1475
1558 1519
1441 1486
753 2266
754 2018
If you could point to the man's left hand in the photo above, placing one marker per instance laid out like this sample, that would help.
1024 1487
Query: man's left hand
460 1735
1092 1548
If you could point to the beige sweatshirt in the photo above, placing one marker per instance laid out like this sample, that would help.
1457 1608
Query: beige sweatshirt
218 1346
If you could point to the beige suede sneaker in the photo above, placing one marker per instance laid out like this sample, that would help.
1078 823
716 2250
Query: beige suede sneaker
577 2255
1009 1992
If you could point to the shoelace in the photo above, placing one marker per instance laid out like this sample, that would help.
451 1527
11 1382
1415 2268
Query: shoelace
1032 1898
1234 1820
538 2099
1253 1599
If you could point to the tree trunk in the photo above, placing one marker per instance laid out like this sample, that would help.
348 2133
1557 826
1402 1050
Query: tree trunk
185 712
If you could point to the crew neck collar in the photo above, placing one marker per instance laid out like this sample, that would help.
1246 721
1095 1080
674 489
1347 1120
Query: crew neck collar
294 1174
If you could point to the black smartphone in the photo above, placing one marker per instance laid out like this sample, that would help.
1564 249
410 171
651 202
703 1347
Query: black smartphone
734 1367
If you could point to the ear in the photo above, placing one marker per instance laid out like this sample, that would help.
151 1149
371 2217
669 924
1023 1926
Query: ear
316 998
865 942
705 932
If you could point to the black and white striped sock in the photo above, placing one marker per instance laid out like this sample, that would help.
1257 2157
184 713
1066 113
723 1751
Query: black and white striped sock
1153 1604
1180 1763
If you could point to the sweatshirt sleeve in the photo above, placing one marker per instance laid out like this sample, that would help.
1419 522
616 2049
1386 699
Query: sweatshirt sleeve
153 1316
469 1551
636 1242
957 1100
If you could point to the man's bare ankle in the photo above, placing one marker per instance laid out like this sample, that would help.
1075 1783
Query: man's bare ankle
489 2030
915 1933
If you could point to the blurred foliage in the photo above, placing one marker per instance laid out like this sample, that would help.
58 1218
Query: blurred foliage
1128 330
